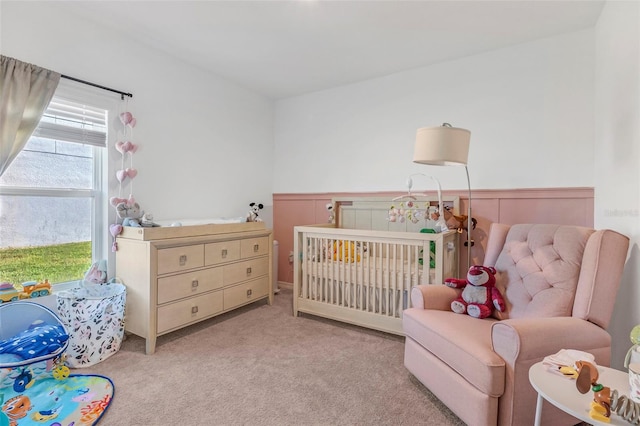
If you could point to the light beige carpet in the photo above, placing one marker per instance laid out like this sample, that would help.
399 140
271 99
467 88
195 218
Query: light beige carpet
259 365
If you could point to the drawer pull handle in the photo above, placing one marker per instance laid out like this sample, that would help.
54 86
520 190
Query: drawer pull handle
183 260
224 253
256 247
249 292
194 284
248 271
194 310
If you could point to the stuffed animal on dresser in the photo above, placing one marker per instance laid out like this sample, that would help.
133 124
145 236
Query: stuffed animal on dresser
253 212
479 295
129 213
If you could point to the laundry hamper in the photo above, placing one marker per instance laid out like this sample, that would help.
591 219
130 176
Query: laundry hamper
33 341
94 316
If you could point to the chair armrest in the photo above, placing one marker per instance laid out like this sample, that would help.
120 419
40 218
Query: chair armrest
522 339
435 296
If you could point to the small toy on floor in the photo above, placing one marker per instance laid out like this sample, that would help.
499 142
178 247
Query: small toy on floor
27 290
97 273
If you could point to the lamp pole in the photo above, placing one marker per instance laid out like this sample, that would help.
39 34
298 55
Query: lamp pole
468 220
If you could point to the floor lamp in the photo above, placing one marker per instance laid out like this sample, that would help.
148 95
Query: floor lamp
446 146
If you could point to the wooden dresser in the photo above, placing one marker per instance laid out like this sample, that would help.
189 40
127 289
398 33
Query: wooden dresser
177 276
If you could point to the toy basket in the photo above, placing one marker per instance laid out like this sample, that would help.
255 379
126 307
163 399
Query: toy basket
94 316
22 323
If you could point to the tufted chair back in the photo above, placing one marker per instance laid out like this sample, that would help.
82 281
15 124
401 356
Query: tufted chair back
550 270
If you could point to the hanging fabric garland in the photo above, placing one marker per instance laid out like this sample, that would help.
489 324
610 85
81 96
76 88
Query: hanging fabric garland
127 209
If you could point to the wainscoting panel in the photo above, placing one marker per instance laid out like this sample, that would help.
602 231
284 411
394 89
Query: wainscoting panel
565 206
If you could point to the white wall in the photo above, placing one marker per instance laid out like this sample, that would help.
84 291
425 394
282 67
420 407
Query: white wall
205 144
529 109
617 169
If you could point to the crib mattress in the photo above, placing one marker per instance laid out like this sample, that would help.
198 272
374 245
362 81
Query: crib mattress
378 272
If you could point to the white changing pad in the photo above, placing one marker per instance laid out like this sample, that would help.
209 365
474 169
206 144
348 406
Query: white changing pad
212 221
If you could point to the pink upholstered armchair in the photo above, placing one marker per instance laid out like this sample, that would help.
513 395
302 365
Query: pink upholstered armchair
560 285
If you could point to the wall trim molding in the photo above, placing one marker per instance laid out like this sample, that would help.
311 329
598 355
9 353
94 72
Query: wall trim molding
515 193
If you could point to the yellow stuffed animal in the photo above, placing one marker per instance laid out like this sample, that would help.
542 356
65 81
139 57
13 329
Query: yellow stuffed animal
345 250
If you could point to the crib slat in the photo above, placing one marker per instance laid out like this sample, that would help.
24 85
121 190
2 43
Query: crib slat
305 266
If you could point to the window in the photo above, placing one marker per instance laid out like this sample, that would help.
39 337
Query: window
52 196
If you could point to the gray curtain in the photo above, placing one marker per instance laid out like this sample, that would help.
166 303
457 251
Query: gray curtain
25 92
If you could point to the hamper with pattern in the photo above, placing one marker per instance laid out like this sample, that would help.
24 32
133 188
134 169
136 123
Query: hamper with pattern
94 316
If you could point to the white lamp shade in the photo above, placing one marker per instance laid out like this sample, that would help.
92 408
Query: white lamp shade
442 146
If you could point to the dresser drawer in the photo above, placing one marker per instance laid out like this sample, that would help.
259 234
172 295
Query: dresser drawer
245 270
245 292
224 251
178 259
188 284
252 247
186 311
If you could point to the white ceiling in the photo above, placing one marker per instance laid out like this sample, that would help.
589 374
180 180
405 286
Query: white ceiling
287 48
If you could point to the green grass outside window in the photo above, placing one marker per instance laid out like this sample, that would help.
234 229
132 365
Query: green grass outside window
57 263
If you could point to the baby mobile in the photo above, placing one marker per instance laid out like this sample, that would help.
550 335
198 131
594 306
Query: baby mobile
412 212
127 209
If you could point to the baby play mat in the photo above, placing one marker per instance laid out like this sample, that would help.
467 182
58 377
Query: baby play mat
75 400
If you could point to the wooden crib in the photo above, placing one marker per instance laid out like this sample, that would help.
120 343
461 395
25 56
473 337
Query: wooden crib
361 269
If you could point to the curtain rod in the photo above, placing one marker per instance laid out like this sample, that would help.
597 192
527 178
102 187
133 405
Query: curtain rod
122 94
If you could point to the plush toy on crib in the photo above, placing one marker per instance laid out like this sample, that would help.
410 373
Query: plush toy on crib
458 222
345 251
329 207
253 213
393 214
479 295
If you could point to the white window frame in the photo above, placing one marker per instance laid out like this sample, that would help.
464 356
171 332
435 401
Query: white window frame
99 194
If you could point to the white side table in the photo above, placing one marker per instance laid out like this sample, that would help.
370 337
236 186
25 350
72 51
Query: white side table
561 392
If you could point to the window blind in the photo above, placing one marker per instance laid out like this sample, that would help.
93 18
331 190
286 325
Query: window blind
73 122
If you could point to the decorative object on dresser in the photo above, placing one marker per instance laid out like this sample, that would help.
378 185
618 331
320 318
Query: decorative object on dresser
254 209
177 276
